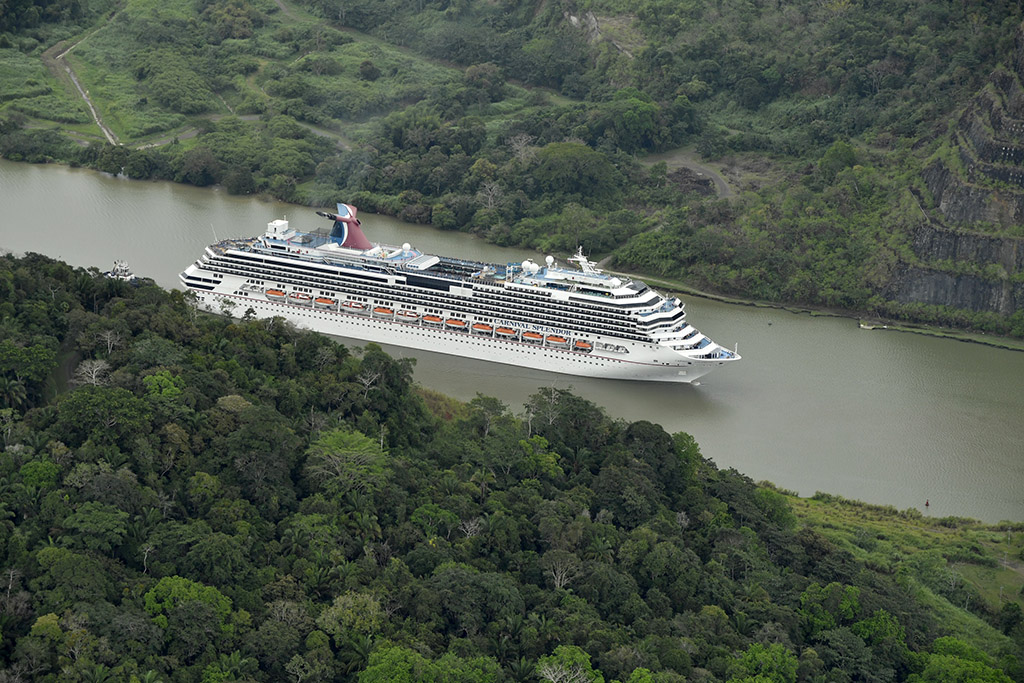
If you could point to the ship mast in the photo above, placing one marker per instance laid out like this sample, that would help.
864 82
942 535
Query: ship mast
585 264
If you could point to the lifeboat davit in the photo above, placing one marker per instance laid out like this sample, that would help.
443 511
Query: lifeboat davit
481 328
301 298
275 294
432 320
383 312
533 337
506 332
324 302
455 324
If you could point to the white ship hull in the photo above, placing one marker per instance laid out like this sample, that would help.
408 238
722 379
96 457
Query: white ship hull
577 322
642 362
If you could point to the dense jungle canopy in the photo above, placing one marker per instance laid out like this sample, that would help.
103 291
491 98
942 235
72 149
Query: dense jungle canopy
188 497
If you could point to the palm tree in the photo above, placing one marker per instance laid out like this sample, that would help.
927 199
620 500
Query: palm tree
600 549
97 674
355 654
236 665
483 478
12 393
522 670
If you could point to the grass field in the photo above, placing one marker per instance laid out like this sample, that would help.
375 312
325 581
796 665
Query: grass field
950 564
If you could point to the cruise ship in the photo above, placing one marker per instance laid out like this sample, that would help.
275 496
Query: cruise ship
574 319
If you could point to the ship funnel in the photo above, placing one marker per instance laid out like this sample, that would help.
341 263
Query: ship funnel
346 230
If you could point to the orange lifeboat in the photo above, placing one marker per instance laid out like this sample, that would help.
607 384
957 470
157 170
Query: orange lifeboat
481 328
383 312
533 337
275 294
455 324
583 346
555 340
324 302
506 332
432 320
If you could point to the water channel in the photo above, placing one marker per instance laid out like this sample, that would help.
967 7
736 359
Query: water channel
817 404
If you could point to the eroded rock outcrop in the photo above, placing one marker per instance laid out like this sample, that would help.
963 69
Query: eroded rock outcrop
970 292
978 193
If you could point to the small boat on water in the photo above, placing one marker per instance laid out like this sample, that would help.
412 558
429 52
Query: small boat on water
120 271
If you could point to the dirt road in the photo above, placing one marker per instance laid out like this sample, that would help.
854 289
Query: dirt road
687 157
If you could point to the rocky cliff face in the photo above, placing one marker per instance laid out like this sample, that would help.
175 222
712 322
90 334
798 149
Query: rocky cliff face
932 283
935 244
976 193
969 292
963 202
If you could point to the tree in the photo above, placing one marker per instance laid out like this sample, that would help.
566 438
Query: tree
368 71
838 156
111 339
263 450
568 664
765 664
109 415
12 392
69 577
352 613
98 526
391 663
432 519
570 168
174 591
561 567
92 372
341 461
218 559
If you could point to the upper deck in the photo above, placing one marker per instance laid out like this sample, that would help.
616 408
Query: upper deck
281 239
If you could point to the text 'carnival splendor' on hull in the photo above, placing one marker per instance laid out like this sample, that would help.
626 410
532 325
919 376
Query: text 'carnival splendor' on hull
575 321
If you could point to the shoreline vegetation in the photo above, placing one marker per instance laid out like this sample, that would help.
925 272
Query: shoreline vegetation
193 498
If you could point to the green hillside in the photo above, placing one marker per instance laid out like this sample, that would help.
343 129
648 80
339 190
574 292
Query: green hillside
191 498
846 174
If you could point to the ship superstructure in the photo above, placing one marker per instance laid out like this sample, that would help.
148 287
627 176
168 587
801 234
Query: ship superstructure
579 320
